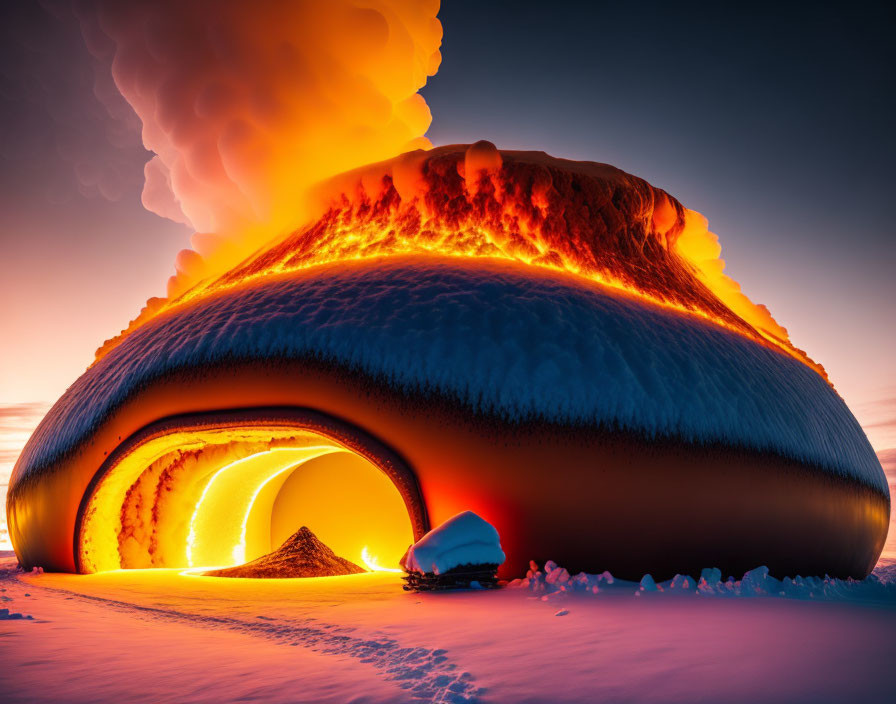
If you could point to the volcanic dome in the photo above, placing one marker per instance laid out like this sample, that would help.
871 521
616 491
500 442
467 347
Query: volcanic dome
503 332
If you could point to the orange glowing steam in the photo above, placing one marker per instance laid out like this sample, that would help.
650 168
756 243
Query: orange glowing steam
247 104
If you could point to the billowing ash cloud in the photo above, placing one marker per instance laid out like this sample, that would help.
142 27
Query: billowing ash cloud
247 104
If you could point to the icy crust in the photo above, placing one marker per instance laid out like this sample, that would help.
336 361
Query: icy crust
502 341
554 582
464 539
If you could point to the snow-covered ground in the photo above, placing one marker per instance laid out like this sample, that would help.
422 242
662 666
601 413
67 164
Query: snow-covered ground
159 635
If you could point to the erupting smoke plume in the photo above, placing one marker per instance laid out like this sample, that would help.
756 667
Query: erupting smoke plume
246 105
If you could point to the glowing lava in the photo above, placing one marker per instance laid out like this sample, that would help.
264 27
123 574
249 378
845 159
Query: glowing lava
210 536
242 490
372 563
587 219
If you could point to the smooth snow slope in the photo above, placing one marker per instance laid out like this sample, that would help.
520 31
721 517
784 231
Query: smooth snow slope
503 339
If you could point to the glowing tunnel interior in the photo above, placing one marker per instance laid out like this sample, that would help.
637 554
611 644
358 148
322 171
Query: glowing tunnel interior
222 496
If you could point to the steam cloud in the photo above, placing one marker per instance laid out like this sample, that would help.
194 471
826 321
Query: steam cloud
248 104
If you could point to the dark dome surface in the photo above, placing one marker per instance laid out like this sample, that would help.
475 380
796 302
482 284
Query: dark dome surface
495 358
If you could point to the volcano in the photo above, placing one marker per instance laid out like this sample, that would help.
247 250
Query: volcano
537 340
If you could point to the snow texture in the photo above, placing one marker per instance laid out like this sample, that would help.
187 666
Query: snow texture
347 665
555 582
502 341
464 539
885 570
147 636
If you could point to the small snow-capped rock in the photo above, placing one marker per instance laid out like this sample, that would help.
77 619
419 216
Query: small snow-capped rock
554 574
757 582
710 577
465 539
648 584
681 582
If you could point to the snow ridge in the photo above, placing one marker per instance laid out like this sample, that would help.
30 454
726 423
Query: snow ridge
499 339
554 582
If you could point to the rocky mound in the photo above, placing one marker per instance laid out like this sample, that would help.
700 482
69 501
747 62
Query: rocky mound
303 555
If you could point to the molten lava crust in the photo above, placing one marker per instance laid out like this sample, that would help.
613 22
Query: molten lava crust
591 423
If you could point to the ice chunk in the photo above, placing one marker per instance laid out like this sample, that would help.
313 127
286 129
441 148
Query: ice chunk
757 582
465 539
555 574
647 584
681 582
709 577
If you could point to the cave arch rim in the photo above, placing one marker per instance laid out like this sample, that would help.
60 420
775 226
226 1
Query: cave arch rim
344 433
